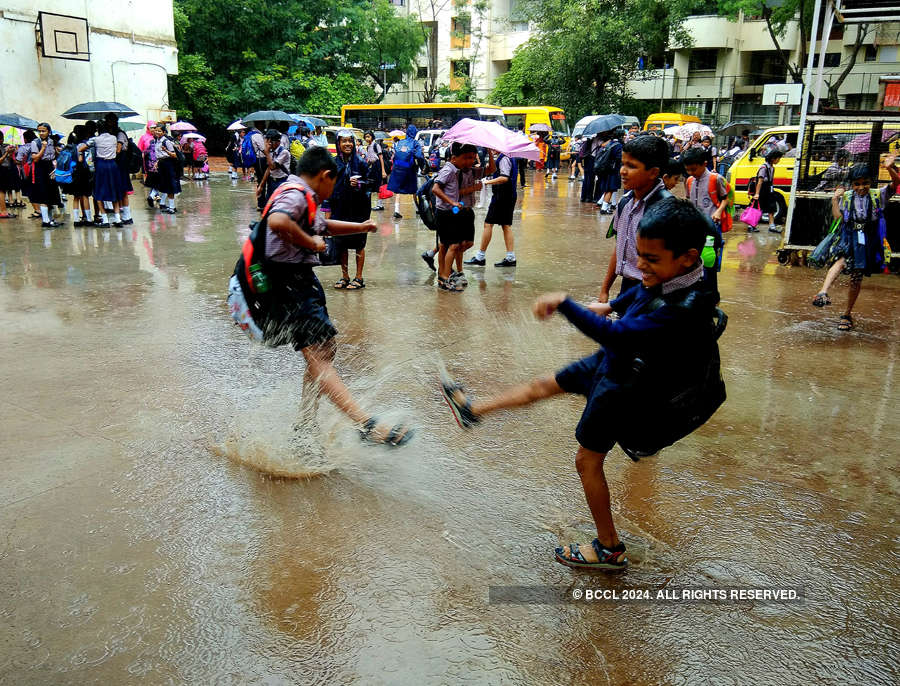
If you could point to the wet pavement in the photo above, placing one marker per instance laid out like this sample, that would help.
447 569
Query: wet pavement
143 544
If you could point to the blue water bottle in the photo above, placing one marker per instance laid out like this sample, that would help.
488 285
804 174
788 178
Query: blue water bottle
456 209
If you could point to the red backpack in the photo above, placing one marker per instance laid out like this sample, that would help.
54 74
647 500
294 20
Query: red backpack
713 191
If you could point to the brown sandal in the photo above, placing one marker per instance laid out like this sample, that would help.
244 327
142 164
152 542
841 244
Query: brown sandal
341 284
846 323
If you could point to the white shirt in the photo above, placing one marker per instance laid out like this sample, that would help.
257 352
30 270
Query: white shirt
104 145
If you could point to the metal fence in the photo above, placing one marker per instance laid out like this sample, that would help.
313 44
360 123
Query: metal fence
832 147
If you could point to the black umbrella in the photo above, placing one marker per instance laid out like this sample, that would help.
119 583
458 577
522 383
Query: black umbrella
17 120
98 110
734 128
606 122
267 115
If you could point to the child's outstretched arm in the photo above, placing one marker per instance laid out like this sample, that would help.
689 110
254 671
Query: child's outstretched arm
341 228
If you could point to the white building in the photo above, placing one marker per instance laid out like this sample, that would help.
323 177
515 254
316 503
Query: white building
720 78
126 54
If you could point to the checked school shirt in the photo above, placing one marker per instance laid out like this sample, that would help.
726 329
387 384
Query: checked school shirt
626 225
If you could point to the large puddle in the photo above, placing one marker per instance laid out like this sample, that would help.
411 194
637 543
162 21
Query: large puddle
145 539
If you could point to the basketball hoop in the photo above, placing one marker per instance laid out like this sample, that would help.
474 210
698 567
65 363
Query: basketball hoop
781 99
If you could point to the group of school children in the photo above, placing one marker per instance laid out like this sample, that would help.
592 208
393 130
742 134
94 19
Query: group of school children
93 167
669 318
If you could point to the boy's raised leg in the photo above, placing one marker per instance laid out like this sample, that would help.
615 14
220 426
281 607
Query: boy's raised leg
467 414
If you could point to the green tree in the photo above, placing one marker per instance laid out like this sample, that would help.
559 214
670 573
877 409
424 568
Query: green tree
384 38
778 20
298 56
581 54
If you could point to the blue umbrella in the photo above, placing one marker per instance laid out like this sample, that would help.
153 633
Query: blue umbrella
98 110
18 121
606 122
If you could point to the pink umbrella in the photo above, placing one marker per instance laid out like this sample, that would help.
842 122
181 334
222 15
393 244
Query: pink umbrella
861 143
193 136
182 126
489 134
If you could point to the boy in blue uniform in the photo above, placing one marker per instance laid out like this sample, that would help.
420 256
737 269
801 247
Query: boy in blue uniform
666 320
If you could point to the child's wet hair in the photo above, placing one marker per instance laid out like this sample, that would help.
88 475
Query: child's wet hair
458 149
694 156
859 172
679 224
651 151
315 160
674 167
774 155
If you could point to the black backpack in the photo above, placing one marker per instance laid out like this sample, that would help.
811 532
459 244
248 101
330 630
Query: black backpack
135 158
424 201
179 157
680 413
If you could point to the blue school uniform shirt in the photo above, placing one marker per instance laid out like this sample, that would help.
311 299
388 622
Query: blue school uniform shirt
672 337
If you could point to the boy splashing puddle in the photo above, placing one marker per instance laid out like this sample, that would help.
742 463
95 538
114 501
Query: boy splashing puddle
666 320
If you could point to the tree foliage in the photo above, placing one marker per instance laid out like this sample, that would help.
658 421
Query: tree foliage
297 56
582 53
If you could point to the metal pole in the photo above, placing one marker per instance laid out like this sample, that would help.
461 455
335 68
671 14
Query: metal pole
829 21
662 88
804 109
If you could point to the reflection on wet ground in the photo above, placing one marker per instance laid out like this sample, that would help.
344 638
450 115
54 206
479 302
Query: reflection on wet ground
132 552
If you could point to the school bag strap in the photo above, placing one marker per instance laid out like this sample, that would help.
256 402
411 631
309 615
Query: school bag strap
256 240
662 194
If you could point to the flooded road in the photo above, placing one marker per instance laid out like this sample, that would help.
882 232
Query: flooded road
135 550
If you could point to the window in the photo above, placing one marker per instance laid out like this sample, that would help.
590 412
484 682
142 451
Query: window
871 53
703 60
459 71
832 59
460 32
422 73
399 3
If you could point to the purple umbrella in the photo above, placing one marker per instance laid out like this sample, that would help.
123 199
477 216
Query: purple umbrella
489 134
861 143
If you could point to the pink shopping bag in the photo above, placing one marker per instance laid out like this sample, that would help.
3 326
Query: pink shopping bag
752 214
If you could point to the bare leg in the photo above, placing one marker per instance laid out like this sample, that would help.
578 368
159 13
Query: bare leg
447 262
853 294
508 239
832 274
345 257
486 236
517 396
596 491
360 263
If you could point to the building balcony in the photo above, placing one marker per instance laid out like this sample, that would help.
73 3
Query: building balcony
712 31
503 45
654 84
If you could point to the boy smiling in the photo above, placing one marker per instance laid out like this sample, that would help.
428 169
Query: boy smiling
666 320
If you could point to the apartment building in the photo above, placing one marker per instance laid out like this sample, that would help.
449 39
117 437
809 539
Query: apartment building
720 78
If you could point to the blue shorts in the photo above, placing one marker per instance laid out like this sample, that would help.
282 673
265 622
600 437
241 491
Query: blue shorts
296 311
584 377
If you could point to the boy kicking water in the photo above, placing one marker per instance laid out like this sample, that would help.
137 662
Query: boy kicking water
287 299
666 320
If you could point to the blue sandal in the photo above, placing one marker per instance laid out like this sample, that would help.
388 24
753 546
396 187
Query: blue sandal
400 434
607 558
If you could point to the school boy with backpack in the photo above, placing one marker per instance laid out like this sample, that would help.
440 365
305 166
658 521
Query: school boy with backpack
661 348
643 160
858 245
274 281
408 157
711 194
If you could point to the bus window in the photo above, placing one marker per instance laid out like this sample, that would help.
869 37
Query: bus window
558 123
513 120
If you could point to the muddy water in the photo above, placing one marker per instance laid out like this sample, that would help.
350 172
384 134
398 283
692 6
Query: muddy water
135 550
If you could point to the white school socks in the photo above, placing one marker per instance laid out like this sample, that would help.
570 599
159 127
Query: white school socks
172 203
45 214
126 213
76 214
162 198
397 204
89 215
510 255
117 218
479 255
103 218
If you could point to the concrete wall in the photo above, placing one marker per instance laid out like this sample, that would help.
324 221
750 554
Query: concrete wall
132 44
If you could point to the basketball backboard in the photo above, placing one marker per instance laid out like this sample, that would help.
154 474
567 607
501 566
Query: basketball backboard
782 93
63 37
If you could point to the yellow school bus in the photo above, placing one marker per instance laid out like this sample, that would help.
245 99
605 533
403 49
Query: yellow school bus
663 120
554 117
386 117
